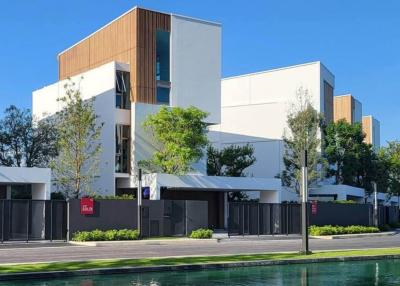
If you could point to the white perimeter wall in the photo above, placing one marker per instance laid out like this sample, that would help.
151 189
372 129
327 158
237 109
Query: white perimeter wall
99 84
255 107
196 65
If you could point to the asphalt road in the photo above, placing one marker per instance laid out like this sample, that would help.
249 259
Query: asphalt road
34 253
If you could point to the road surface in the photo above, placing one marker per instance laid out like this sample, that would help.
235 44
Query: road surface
34 253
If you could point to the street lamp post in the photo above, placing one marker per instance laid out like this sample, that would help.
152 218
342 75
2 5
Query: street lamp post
376 222
139 202
304 205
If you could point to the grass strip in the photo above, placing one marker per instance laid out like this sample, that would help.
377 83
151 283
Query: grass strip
115 263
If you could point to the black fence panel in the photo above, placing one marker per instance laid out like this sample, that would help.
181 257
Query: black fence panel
26 220
159 218
250 218
328 213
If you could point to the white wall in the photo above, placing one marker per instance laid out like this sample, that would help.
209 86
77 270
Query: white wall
357 111
40 178
196 65
376 133
255 107
97 84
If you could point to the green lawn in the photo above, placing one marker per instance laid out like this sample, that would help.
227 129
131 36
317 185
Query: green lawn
35 267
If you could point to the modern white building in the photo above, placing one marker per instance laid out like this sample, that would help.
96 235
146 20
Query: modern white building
254 109
34 182
130 67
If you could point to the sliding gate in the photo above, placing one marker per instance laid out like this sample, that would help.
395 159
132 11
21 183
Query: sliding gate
251 218
25 220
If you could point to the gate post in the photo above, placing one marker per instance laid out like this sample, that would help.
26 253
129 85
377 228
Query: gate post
51 220
2 222
67 236
27 221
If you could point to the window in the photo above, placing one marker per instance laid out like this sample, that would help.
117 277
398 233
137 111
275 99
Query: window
162 95
122 88
162 67
162 55
122 157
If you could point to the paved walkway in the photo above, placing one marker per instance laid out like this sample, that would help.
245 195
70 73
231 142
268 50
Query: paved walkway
183 248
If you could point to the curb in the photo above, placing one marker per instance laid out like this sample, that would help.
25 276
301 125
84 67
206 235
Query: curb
358 235
222 265
141 242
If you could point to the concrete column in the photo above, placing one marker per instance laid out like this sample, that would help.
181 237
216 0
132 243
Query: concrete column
226 210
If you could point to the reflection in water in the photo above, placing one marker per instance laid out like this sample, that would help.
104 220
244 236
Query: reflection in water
344 273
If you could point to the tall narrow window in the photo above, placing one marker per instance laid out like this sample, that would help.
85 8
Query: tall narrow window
162 67
122 137
122 88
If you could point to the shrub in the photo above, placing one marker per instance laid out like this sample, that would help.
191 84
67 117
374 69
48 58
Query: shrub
121 197
108 235
395 225
201 233
333 230
385 227
344 202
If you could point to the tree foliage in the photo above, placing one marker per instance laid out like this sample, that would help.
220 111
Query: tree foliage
391 155
78 144
353 162
231 162
304 124
180 135
24 141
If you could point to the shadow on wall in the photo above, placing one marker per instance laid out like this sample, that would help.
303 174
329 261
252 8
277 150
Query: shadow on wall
268 152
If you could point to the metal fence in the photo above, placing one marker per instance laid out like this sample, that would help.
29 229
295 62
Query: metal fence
248 218
159 217
27 220
252 218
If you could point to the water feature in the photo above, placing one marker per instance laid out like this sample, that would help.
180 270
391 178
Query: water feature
382 272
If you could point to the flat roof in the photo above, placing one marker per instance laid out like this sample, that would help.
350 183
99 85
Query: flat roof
130 10
279 69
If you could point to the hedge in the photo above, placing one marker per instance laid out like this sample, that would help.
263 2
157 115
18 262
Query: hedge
201 233
332 230
108 235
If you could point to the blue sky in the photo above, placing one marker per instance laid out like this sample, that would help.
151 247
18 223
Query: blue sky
359 41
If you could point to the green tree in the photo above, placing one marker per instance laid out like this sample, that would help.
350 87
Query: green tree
25 141
391 155
304 124
78 144
343 147
231 162
351 161
180 135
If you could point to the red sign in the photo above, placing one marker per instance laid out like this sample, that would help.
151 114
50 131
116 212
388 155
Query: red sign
87 206
314 208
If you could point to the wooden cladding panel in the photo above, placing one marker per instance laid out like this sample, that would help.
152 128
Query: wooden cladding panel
112 42
148 23
130 39
343 108
366 126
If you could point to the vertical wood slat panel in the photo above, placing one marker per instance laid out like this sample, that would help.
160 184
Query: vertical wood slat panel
130 39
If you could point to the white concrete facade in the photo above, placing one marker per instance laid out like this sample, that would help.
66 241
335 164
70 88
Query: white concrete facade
196 65
255 107
38 178
195 73
97 84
